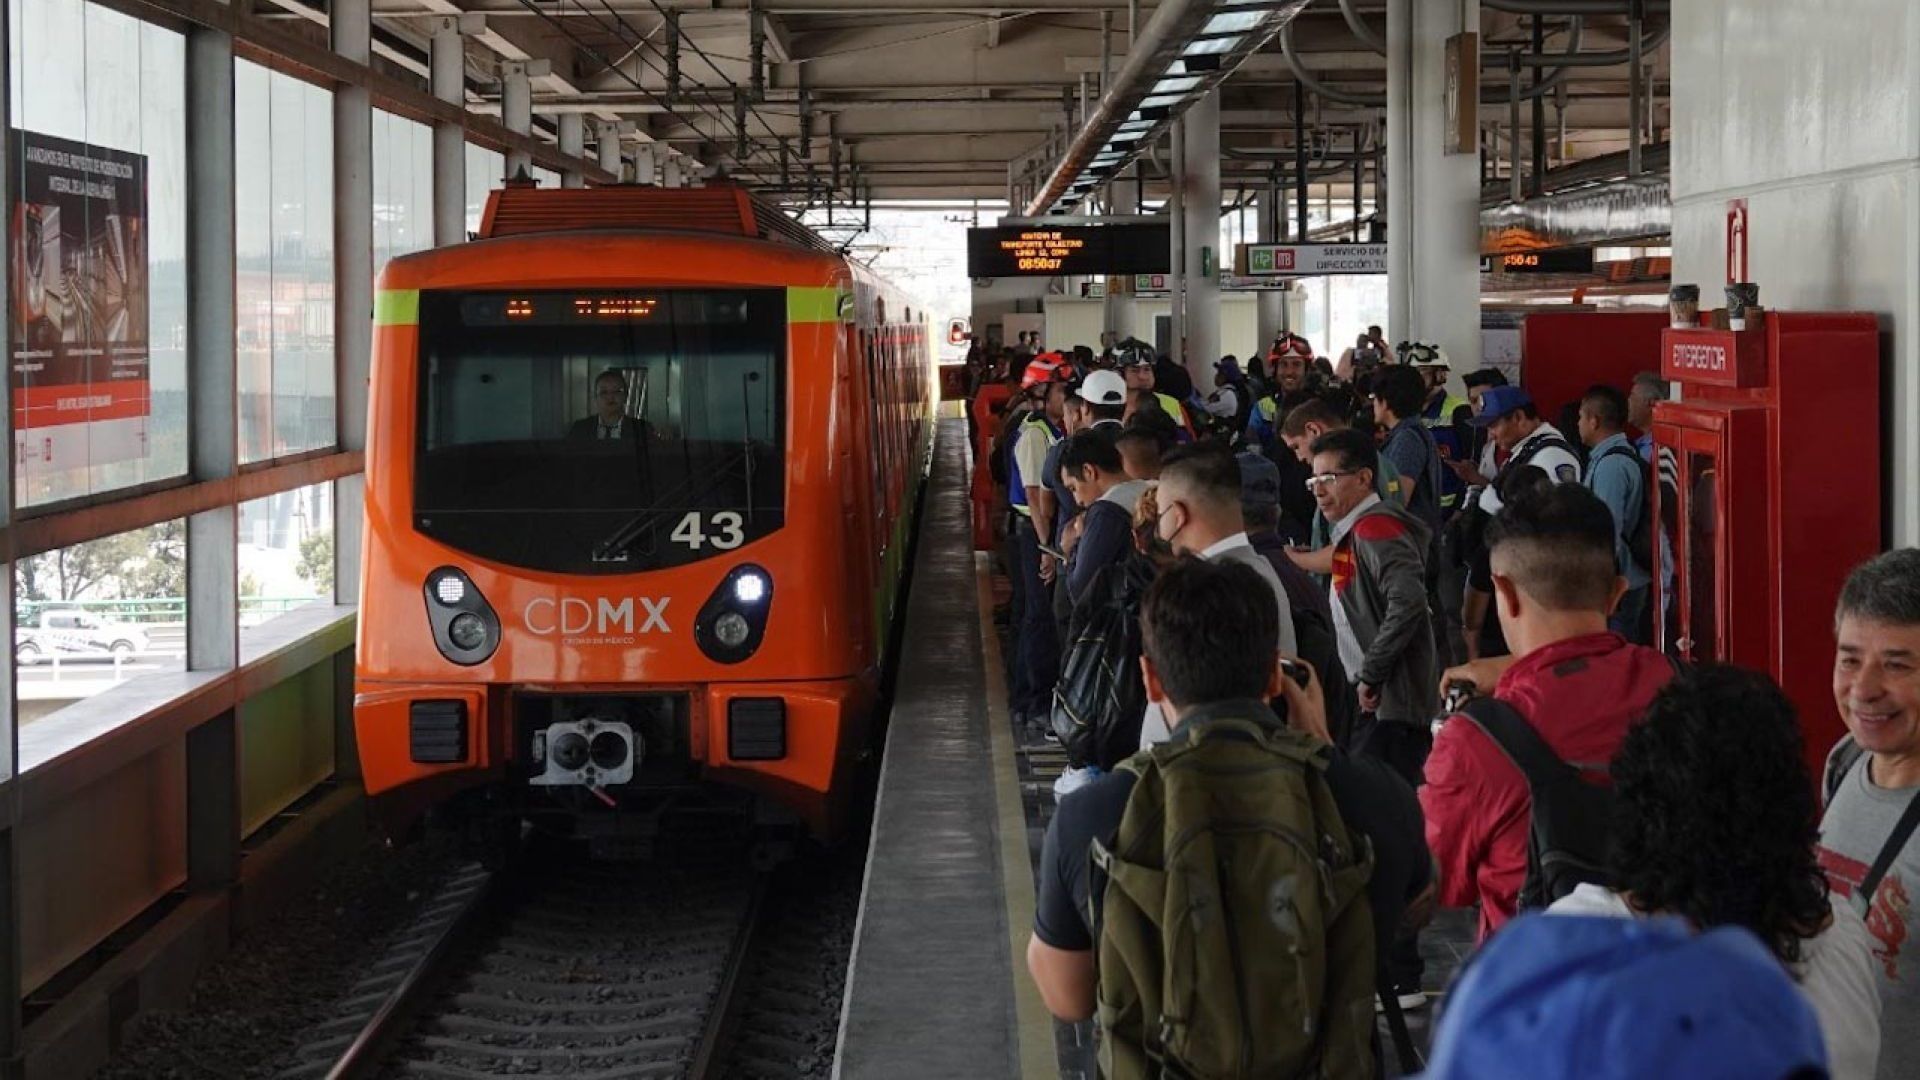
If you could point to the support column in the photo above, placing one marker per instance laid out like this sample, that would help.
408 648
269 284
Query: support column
573 143
1270 314
610 148
1433 198
213 580
516 111
1123 199
449 77
1201 210
351 27
11 972
1177 239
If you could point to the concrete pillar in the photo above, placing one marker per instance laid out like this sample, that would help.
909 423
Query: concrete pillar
1123 199
646 164
1177 238
1270 313
449 74
610 148
573 143
1433 198
213 423
670 174
516 111
352 31
1837 230
1201 210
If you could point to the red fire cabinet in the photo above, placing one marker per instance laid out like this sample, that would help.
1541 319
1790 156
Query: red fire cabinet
1775 458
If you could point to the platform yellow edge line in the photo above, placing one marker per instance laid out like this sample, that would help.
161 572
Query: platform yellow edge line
1033 1024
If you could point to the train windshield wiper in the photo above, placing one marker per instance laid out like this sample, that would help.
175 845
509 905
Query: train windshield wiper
616 546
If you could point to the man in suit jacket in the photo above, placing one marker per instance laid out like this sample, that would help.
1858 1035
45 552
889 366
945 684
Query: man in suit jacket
609 419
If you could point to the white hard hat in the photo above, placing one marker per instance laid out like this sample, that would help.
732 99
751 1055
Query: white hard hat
1104 388
1421 354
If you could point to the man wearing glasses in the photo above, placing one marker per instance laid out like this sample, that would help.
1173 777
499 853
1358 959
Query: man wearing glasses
1383 628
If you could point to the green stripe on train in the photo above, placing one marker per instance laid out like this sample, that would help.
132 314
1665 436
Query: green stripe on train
396 307
808 305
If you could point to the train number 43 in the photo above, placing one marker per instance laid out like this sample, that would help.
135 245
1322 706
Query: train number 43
721 530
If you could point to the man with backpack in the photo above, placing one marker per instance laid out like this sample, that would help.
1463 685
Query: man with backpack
1564 698
1266 969
1872 785
1618 475
1511 421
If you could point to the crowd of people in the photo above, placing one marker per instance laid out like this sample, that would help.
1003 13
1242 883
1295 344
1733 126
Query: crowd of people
1328 647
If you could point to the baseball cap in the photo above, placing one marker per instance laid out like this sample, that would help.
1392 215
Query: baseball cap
1104 388
1497 402
1259 480
1567 997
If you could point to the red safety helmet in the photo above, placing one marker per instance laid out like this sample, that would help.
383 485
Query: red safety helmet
1045 368
1290 344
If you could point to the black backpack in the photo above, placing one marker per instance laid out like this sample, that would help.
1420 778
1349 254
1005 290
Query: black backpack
1100 700
1572 817
1640 537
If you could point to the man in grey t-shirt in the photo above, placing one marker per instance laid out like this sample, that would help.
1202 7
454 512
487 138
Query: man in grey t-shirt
1876 686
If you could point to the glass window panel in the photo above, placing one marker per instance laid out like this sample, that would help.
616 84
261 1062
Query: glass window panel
92 616
402 187
284 322
102 382
286 552
485 169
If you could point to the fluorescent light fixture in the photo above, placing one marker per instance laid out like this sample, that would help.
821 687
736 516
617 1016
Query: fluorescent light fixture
1233 22
1175 84
1161 101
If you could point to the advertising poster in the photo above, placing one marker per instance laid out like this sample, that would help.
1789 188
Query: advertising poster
78 337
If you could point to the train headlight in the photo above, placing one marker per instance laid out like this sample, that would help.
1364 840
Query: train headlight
450 589
464 626
750 587
733 621
731 629
468 631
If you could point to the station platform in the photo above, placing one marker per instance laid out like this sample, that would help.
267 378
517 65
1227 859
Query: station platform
937 984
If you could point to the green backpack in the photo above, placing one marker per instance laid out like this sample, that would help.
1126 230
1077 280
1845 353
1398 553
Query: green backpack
1234 936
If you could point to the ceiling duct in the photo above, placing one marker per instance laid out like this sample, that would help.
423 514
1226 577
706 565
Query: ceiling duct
1186 50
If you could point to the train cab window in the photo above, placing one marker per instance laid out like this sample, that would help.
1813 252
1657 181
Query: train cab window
600 432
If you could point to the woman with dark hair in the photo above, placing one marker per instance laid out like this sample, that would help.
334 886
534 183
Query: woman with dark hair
1715 821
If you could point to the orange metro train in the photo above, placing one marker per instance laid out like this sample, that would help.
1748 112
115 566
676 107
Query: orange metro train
642 469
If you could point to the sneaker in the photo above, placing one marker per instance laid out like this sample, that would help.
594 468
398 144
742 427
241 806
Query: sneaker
1409 1001
1073 780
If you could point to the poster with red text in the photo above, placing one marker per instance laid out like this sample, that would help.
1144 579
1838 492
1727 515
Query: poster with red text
78 337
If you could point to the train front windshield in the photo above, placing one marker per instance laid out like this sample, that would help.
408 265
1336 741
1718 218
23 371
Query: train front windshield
600 432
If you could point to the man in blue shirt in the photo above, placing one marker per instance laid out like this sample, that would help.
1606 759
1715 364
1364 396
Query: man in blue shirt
1618 475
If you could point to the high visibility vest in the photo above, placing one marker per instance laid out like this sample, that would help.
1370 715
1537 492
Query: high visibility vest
1017 484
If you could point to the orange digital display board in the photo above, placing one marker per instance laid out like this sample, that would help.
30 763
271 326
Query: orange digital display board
1052 251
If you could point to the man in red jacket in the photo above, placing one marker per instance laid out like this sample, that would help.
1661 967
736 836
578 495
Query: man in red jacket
1555 581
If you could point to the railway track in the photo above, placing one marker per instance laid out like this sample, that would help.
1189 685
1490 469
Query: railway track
592 972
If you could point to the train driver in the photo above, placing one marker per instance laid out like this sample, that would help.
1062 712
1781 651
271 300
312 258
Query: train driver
609 419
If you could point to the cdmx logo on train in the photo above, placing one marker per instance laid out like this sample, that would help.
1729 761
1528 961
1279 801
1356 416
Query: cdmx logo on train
603 615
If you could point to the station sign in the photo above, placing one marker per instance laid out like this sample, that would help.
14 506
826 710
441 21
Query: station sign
1149 283
1068 250
1558 261
1309 260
